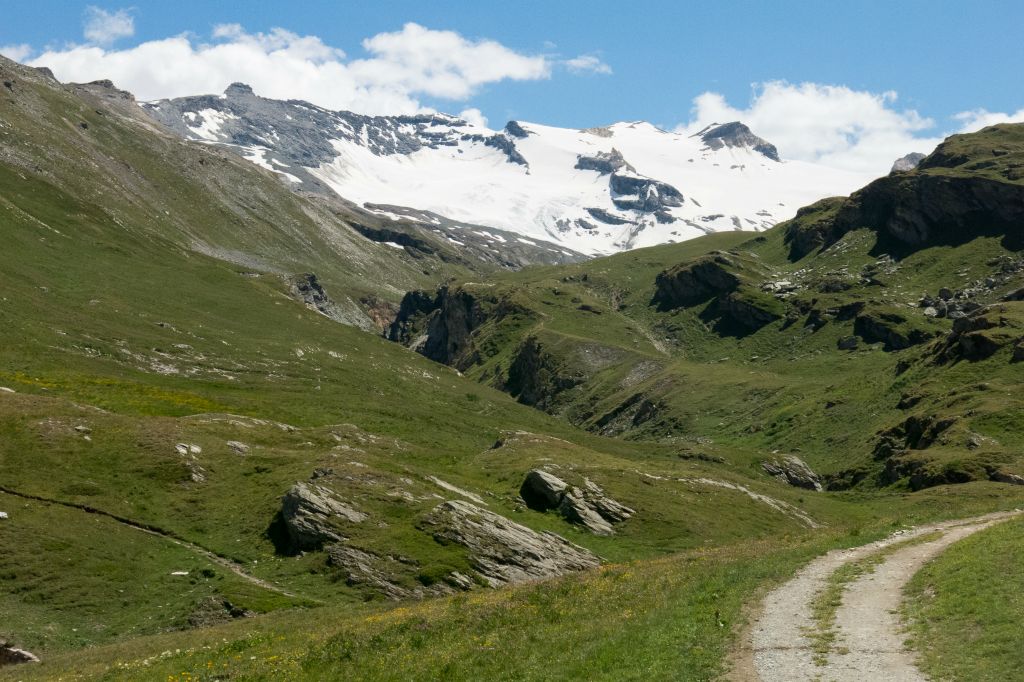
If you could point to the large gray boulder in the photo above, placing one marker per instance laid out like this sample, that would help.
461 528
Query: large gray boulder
503 551
587 506
794 471
309 512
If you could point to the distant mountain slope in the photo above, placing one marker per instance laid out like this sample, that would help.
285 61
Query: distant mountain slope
881 335
599 190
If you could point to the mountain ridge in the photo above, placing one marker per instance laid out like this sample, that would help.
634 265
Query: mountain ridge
527 178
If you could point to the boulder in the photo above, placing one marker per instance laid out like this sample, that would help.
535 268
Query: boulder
10 655
794 471
1003 477
238 447
309 511
588 506
503 551
541 490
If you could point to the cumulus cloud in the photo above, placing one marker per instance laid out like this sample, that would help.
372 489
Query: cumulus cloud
977 119
103 28
473 116
835 125
828 124
401 68
587 63
18 53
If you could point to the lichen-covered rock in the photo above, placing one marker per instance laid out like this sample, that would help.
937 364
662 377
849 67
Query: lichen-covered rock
310 511
794 471
503 551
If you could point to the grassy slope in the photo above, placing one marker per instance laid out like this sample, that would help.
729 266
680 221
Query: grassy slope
785 386
965 606
666 618
110 322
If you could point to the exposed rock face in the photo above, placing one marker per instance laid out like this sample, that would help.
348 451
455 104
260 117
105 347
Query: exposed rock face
307 288
794 471
604 162
365 569
515 129
309 512
588 506
907 163
695 282
441 328
534 376
736 134
813 227
502 551
953 196
638 193
10 655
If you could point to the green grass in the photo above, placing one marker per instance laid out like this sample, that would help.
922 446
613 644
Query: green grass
143 304
964 608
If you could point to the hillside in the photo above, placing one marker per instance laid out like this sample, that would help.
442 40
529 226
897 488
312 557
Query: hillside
211 458
876 335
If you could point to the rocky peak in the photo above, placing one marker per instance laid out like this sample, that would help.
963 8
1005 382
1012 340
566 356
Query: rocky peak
239 90
736 134
515 129
908 162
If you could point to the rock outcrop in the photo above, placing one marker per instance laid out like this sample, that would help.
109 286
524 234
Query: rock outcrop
441 326
310 513
794 471
907 163
691 283
587 506
736 134
604 162
632 192
984 332
11 655
503 551
890 328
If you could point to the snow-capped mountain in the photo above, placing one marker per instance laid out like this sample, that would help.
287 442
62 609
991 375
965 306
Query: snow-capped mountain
595 191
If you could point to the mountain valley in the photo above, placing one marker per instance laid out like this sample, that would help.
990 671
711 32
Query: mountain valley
291 393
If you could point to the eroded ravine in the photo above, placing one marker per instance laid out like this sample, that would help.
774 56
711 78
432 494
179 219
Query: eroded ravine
868 644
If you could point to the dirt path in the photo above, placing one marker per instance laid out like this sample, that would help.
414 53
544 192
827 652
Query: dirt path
230 565
869 643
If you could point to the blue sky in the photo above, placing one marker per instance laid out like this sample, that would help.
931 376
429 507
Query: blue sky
940 58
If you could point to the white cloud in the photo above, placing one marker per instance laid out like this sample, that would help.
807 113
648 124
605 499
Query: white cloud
18 53
832 125
103 28
587 63
977 119
401 68
473 116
